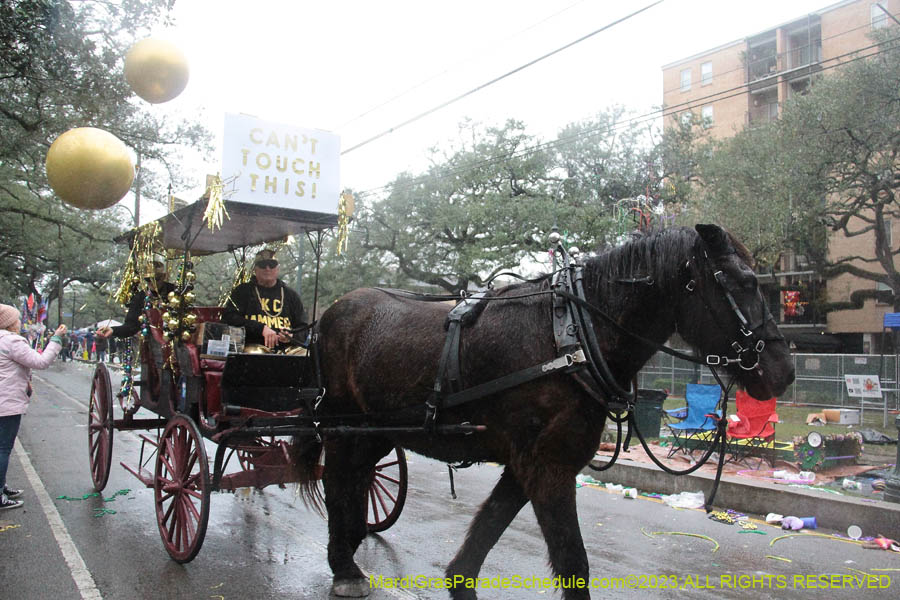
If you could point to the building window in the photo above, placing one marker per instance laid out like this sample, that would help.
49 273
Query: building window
706 113
686 118
706 73
888 234
880 300
879 17
685 80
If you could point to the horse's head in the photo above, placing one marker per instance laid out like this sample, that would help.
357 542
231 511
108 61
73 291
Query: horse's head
726 318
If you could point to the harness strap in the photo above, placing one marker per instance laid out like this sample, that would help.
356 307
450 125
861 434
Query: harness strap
566 362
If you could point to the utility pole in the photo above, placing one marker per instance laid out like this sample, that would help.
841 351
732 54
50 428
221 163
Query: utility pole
59 277
137 193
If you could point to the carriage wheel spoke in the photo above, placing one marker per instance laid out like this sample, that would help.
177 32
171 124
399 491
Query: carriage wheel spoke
374 505
383 466
386 491
383 476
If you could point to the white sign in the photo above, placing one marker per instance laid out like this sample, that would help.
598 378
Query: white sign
863 386
281 165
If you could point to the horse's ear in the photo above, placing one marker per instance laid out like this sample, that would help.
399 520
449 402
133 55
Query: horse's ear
715 238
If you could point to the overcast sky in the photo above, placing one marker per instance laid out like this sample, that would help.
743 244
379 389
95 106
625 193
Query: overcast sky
360 67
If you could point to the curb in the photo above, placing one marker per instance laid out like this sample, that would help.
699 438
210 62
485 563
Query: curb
875 517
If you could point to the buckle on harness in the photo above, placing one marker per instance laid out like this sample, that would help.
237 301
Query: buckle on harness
566 360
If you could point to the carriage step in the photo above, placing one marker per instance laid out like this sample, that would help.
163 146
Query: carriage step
145 476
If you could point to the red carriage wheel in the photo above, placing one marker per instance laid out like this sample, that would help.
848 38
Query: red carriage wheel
100 427
181 489
387 491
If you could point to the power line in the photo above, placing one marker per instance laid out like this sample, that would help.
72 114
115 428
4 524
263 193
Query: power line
454 65
637 120
496 79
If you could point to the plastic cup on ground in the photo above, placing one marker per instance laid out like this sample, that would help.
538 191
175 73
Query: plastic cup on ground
854 532
808 522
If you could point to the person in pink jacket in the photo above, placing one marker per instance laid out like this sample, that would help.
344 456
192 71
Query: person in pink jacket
16 361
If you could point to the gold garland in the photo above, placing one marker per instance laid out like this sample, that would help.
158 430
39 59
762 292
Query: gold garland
215 210
345 211
140 258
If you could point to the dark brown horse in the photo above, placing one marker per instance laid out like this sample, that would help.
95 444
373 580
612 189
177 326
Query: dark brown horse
380 352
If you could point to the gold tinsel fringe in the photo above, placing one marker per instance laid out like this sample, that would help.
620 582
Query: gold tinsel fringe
146 241
345 210
215 210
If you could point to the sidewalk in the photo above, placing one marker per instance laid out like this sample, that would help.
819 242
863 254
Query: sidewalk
754 492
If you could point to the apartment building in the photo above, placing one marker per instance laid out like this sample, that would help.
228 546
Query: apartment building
745 82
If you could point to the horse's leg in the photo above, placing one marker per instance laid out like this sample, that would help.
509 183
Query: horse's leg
348 465
494 516
553 500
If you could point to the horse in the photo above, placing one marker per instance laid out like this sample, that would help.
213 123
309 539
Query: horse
380 352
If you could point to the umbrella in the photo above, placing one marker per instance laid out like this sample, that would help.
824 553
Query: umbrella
106 323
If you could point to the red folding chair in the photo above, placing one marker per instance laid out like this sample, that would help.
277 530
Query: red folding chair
752 432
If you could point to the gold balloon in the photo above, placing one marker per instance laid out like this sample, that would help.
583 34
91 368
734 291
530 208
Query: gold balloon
166 316
89 168
186 336
156 70
173 324
189 297
174 301
190 319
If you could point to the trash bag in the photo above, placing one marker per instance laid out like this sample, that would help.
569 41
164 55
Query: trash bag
685 500
871 436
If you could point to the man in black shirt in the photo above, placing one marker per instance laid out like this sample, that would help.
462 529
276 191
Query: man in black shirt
269 311
158 284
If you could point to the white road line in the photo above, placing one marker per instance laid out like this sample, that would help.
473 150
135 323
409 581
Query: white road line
80 574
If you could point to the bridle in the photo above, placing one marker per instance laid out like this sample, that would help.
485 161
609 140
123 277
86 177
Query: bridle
749 342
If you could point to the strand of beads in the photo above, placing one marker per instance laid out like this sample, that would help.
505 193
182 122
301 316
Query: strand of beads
125 397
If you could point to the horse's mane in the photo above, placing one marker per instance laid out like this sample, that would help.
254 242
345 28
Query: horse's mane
659 255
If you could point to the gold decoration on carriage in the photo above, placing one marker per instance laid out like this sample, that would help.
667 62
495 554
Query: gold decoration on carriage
145 245
215 213
346 205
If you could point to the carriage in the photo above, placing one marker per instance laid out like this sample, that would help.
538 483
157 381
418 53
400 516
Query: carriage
249 406
526 376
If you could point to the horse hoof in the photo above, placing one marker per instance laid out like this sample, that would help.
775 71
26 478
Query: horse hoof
350 588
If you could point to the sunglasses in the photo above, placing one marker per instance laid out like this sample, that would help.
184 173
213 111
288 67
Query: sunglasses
267 264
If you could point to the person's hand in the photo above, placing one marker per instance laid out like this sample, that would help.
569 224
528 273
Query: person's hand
270 336
60 331
104 332
284 336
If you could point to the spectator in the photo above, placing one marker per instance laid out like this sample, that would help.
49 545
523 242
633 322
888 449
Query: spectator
100 345
89 343
66 352
17 359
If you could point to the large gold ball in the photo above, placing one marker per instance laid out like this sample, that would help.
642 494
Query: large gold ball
89 168
156 70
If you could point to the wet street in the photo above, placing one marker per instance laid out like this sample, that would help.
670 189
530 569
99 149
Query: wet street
266 544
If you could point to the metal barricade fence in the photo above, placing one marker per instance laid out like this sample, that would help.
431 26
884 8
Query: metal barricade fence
819 378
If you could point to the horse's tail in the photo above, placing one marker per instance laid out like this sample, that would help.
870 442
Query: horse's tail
307 456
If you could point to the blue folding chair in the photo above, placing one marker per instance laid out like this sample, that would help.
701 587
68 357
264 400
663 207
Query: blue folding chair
701 418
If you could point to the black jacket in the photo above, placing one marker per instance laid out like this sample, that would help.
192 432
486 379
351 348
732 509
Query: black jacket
243 309
135 307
